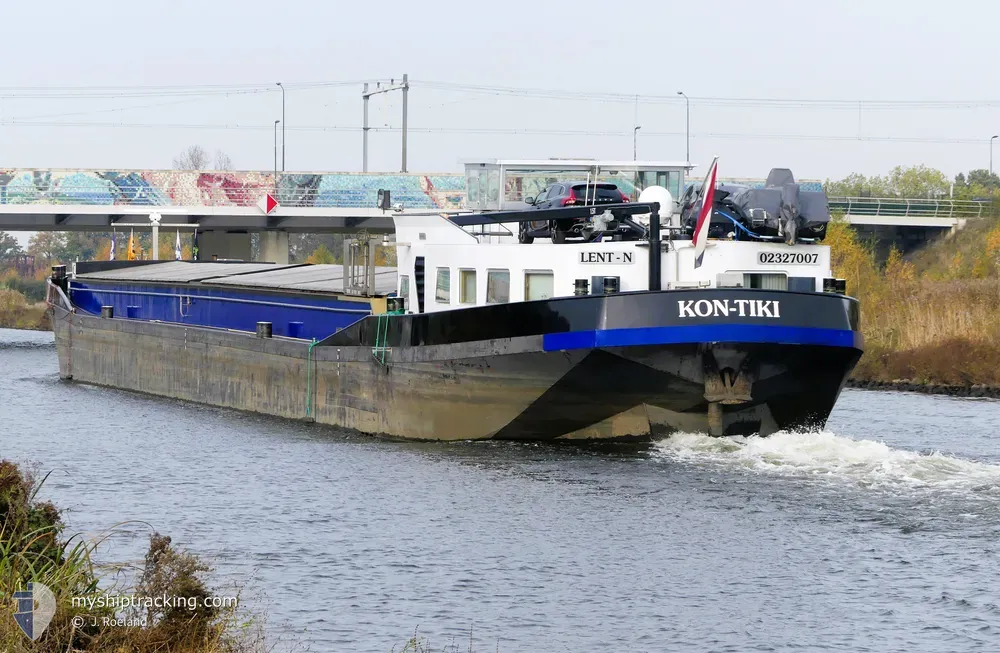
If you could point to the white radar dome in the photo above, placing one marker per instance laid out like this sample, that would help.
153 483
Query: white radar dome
661 195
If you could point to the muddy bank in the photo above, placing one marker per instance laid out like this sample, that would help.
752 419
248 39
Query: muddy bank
990 391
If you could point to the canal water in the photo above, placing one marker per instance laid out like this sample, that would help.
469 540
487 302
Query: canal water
880 533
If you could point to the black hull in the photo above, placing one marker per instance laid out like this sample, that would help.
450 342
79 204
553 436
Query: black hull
798 391
595 367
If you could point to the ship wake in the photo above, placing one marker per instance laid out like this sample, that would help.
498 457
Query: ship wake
830 457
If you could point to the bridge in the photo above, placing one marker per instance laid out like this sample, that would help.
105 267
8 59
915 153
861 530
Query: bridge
222 205
906 223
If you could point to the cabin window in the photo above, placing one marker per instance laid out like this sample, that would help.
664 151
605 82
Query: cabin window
467 281
765 281
538 285
497 286
404 287
443 293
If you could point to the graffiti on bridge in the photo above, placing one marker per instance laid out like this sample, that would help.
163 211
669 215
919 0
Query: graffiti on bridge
193 188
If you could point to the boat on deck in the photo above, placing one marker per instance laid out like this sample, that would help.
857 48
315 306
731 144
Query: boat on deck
473 335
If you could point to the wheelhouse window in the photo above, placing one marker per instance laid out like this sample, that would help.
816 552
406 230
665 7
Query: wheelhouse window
538 285
442 294
404 287
497 286
765 281
671 180
467 282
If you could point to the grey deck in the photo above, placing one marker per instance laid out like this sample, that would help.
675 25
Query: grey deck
313 278
328 278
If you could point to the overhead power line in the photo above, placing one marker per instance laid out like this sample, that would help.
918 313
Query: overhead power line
112 92
207 90
504 131
630 98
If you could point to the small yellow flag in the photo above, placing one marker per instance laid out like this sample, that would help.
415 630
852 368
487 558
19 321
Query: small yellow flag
131 246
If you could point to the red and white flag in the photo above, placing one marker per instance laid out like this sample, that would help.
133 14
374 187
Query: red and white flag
705 213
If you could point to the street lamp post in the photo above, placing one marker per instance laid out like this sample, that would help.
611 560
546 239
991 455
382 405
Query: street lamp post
283 123
276 155
991 153
687 132
634 132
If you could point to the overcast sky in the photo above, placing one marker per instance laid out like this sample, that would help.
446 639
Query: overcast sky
843 52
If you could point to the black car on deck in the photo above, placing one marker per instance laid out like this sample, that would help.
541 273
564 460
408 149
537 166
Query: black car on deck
563 194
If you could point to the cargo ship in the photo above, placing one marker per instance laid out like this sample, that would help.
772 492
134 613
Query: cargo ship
717 314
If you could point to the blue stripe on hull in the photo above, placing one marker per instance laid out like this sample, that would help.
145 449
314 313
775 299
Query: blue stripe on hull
675 335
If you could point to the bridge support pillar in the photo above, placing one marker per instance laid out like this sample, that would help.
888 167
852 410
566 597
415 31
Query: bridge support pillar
223 245
274 247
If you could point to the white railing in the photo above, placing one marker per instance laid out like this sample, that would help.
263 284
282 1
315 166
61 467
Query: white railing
899 207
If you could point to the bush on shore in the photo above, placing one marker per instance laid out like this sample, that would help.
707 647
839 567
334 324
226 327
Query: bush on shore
941 325
33 549
17 313
33 289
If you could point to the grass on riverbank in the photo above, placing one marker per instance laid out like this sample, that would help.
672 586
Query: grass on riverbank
17 313
33 549
933 320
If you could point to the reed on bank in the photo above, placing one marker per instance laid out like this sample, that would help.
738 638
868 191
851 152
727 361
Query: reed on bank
34 548
935 319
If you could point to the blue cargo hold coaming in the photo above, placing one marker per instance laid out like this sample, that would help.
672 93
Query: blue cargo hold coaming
221 307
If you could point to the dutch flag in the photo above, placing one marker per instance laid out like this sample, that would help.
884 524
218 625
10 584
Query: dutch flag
705 213
177 246
112 257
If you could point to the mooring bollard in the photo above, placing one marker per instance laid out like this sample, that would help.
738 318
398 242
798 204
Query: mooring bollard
107 311
263 329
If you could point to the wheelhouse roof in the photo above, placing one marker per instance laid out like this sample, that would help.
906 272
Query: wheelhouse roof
577 164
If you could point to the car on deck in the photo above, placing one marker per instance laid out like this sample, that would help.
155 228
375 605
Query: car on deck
562 194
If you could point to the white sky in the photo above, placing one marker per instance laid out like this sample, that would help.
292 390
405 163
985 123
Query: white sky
845 50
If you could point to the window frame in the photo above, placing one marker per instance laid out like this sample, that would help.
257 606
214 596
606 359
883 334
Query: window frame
437 285
489 274
461 286
530 273
404 287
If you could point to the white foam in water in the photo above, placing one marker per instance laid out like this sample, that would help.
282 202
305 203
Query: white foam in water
824 454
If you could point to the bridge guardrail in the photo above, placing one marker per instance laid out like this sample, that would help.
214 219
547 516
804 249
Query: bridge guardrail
908 208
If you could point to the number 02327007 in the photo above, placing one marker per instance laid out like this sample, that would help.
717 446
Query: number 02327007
787 258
